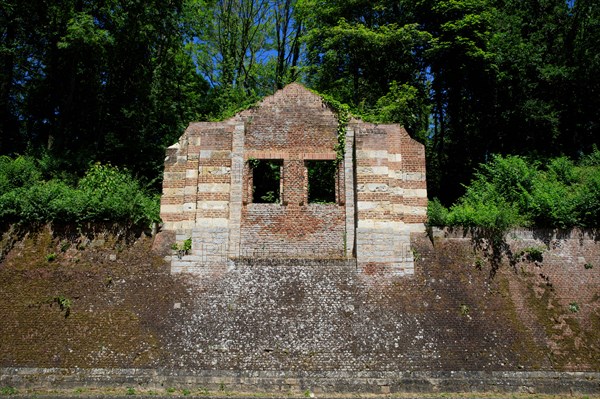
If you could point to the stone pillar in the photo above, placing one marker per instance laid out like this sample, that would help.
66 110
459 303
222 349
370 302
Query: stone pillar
237 191
348 194
383 236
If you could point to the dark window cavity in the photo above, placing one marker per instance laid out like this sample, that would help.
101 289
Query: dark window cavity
266 179
321 181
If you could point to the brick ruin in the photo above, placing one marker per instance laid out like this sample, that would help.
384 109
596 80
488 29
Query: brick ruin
213 171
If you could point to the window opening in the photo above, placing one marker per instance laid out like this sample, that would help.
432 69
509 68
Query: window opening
266 179
321 181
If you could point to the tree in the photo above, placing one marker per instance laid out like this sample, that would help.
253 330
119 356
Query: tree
86 81
232 46
288 32
462 72
369 55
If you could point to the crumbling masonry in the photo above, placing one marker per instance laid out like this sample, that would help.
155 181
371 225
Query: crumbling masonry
210 179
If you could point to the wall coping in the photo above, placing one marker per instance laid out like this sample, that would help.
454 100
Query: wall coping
549 382
543 234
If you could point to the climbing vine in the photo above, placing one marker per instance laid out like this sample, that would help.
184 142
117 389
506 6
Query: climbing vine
343 116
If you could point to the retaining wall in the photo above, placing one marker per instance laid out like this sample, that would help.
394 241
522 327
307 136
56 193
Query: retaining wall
468 319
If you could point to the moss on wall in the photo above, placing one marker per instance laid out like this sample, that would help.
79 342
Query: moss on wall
104 299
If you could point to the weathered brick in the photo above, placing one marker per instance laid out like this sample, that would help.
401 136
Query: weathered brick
208 168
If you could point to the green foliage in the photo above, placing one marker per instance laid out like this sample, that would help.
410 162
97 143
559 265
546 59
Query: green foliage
114 195
416 254
468 77
115 82
534 254
512 191
93 81
105 193
574 307
491 200
64 246
591 159
8 390
64 304
17 173
51 257
479 263
358 50
343 116
253 163
321 181
464 309
588 196
588 266
266 179
498 216
398 105
531 254
436 213
183 248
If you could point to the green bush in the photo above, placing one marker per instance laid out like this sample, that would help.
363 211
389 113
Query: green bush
506 177
592 159
552 204
496 215
512 191
493 198
588 198
562 170
18 172
104 194
436 213
113 195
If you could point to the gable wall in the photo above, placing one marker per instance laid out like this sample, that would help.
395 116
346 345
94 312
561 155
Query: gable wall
380 189
294 126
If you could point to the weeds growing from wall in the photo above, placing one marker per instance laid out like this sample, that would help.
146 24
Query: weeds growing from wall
182 248
64 304
8 391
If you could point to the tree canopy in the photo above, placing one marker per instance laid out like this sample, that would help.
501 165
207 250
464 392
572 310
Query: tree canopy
116 81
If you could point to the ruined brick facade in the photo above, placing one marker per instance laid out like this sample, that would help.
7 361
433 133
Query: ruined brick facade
380 188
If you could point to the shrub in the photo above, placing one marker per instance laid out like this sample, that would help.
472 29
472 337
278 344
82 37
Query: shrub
37 204
114 195
509 177
588 198
592 159
574 307
552 204
511 191
436 213
498 215
18 172
562 170
104 194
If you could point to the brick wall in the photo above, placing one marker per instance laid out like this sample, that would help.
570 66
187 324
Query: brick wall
391 196
380 192
294 126
460 312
